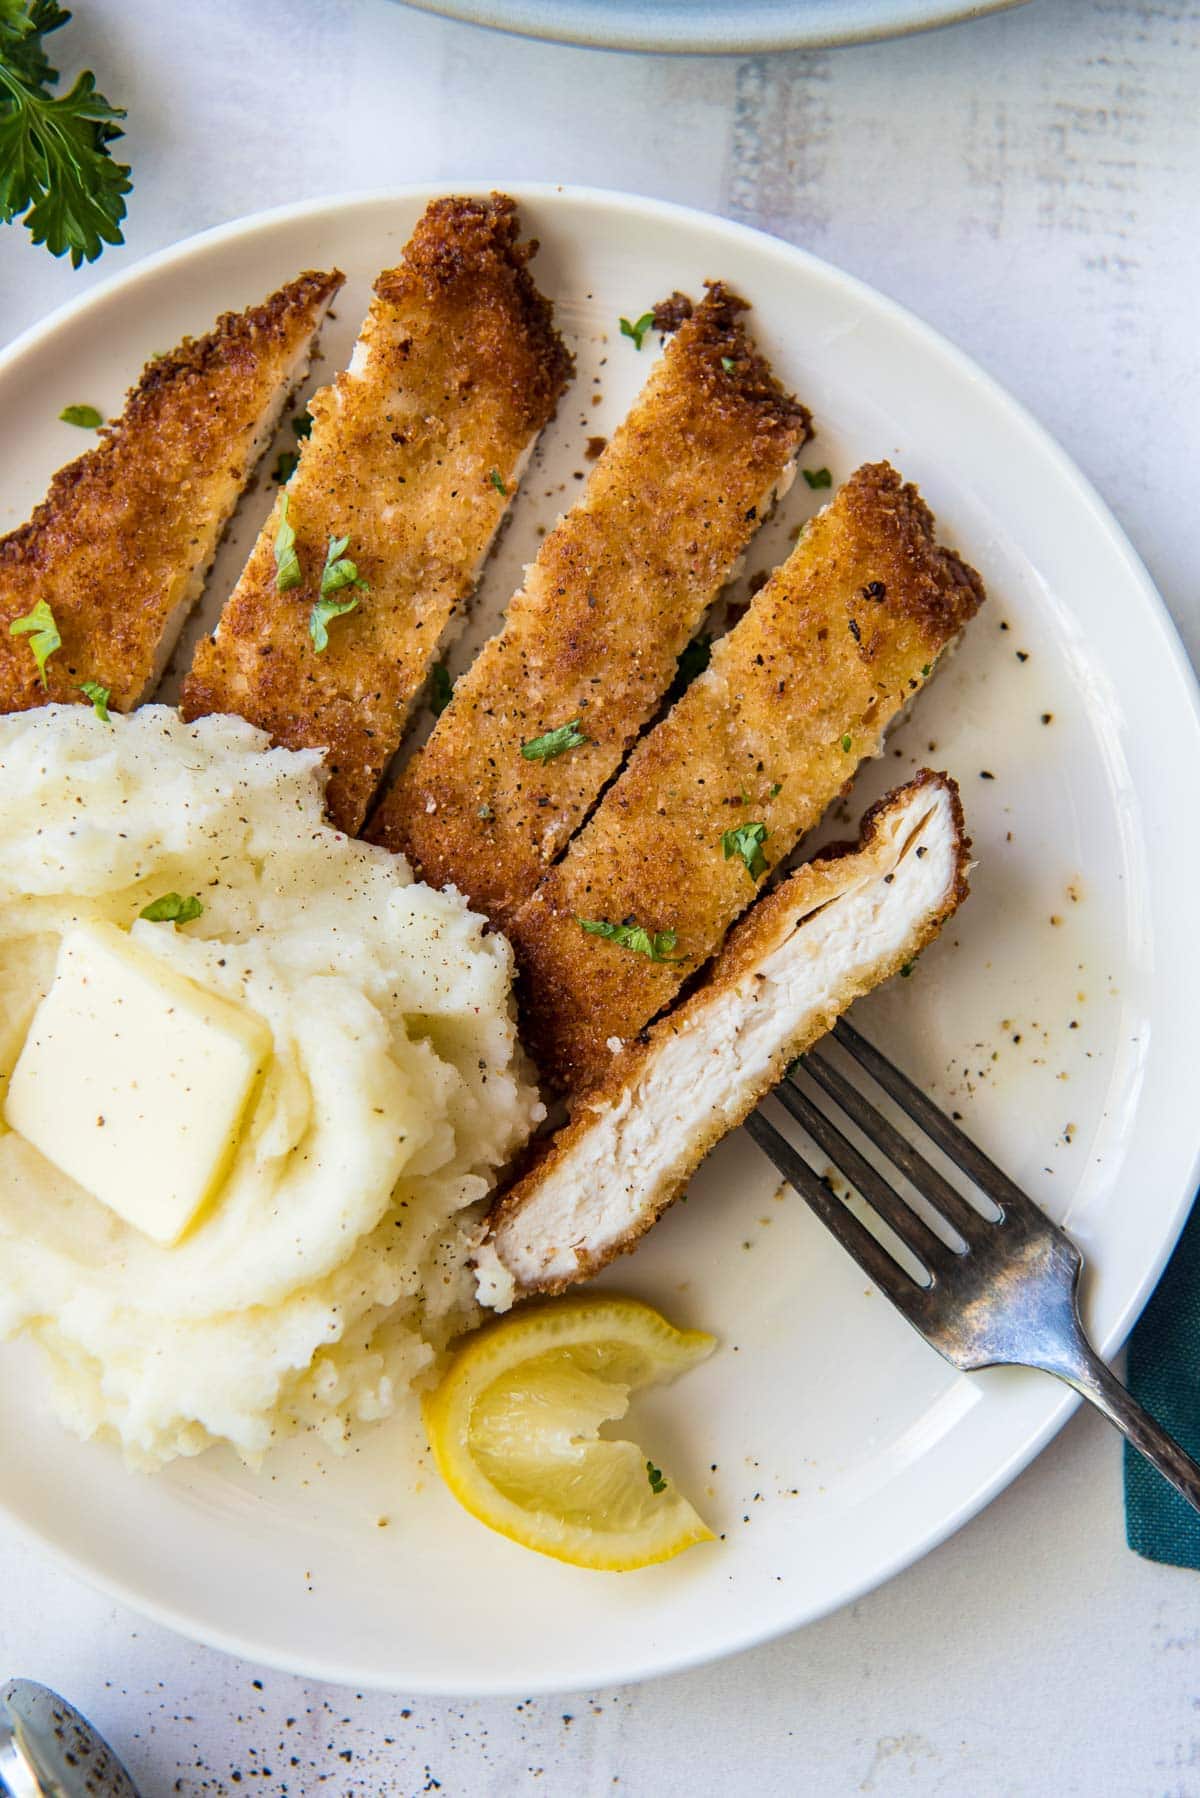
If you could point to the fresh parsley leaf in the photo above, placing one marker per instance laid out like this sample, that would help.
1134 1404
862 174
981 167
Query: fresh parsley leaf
86 417
654 1475
497 483
338 573
925 670
747 840
57 173
554 742
441 689
907 969
728 364
285 467
42 631
817 477
637 330
776 789
91 689
694 660
847 740
657 945
302 424
172 908
288 572
322 612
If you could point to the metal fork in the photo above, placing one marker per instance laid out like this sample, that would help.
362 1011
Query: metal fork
1007 1294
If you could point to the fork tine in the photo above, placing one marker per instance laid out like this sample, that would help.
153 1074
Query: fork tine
854 1237
937 1126
929 1182
867 1180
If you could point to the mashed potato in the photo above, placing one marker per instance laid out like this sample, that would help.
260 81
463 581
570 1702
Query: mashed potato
333 1264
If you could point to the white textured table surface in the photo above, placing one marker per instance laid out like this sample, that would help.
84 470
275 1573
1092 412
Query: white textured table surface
1028 185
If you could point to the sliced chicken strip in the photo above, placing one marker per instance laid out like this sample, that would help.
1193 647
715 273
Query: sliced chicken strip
414 456
839 639
120 547
801 956
594 635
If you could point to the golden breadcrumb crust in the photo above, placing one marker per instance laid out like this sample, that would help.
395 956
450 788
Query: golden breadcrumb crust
836 642
765 928
413 456
617 590
128 528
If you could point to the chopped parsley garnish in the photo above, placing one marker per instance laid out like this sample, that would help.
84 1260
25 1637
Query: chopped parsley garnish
907 969
57 174
172 908
42 631
322 612
302 424
846 742
86 417
338 573
554 742
747 840
694 660
285 466
776 789
288 572
728 364
498 483
817 477
925 670
91 689
441 689
485 811
657 945
637 331
654 1475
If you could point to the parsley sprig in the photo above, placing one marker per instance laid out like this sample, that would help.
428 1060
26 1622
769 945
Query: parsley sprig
694 660
636 328
173 908
654 1475
40 627
554 742
57 172
86 417
338 573
99 696
746 841
657 944
441 689
288 572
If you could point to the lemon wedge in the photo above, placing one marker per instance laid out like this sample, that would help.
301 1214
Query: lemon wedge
514 1427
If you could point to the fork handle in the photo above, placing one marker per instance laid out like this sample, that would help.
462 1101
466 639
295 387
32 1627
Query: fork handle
1096 1382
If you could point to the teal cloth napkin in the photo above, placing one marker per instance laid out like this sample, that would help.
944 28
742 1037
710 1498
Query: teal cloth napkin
1163 1370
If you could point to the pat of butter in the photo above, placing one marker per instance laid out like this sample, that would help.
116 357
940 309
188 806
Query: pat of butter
134 1080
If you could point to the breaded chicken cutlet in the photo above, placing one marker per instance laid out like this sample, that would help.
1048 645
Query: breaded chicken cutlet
592 639
415 452
800 957
795 696
120 547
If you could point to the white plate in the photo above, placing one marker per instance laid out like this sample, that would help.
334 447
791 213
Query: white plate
710 27
825 1441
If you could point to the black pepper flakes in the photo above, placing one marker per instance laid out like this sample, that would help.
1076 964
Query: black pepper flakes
852 625
875 590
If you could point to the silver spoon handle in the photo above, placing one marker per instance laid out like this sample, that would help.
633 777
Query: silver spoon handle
1096 1382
